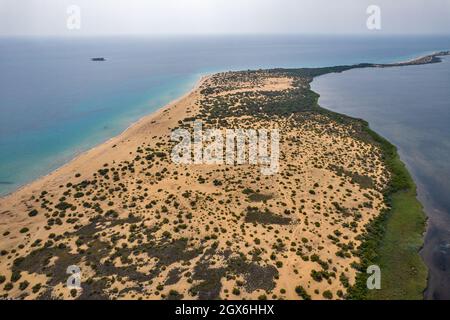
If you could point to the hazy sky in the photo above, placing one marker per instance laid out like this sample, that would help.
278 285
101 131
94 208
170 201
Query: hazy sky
108 17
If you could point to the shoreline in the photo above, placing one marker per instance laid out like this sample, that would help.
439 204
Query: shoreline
424 59
142 119
403 225
149 123
415 61
433 222
143 148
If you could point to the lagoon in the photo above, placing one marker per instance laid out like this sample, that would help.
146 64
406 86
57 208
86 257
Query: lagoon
410 106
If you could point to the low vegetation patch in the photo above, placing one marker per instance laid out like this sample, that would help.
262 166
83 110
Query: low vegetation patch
254 215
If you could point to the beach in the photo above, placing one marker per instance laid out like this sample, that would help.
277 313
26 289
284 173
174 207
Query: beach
87 103
129 182
122 196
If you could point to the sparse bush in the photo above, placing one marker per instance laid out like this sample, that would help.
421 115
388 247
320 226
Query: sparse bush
302 293
327 294
33 213
24 230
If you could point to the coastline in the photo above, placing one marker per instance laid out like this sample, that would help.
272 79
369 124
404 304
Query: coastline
147 117
394 239
423 59
435 229
141 127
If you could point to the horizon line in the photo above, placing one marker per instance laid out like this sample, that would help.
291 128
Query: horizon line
107 35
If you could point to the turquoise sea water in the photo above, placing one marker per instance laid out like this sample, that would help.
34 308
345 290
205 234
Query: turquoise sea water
410 106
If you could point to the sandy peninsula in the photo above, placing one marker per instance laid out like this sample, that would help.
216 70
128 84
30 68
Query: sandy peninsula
140 226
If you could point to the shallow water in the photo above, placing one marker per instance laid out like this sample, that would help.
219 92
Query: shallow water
410 106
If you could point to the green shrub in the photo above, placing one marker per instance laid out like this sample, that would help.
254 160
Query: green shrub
24 230
23 285
8 286
302 293
33 213
327 294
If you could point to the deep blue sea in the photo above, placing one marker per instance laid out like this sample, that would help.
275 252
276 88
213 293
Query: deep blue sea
55 102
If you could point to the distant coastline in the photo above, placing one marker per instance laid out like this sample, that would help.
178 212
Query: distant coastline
426 59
